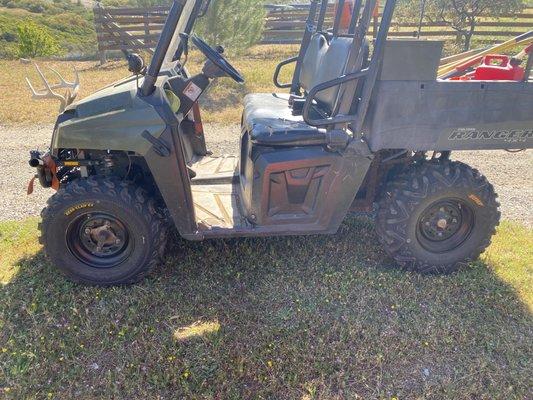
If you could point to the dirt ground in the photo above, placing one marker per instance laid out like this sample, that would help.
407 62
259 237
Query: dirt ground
511 174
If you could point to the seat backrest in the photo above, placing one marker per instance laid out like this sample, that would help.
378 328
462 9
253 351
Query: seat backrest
322 62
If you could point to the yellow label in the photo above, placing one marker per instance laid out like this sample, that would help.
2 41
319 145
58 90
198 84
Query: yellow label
78 207
173 100
476 200
71 163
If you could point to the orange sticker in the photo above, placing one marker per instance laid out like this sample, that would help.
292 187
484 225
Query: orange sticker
476 200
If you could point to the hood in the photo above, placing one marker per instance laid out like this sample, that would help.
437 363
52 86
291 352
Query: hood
117 96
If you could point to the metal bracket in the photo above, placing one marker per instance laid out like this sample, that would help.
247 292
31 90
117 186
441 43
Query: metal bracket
310 28
159 146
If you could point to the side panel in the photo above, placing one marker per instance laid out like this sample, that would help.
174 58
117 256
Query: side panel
170 175
450 115
298 189
170 172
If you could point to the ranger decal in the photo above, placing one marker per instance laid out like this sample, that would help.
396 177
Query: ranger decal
512 135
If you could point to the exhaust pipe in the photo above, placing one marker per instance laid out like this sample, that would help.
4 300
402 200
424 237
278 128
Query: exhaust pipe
36 162
35 159
43 174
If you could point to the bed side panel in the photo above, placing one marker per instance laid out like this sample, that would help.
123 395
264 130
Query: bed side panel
438 115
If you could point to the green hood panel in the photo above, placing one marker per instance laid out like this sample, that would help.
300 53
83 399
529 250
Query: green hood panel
115 96
111 119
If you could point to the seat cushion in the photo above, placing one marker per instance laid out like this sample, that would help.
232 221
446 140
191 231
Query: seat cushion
269 120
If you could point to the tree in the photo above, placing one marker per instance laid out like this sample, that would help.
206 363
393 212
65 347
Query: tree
35 41
237 24
461 15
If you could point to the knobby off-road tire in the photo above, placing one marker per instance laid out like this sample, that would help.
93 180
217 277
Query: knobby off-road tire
437 216
102 231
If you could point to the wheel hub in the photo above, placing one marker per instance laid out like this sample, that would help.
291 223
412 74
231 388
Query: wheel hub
102 235
445 225
99 240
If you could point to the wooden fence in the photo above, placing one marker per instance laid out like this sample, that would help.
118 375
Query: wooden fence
128 28
139 28
285 25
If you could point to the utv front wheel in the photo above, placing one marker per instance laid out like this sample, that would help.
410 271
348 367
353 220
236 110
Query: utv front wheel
437 216
102 231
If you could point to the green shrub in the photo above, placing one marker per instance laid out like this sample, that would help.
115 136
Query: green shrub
8 37
8 50
43 6
74 33
150 3
69 23
237 24
36 6
35 41
118 3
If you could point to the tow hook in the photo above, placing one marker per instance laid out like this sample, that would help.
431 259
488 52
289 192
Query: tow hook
46 171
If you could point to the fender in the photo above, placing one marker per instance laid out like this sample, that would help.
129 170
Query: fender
118 119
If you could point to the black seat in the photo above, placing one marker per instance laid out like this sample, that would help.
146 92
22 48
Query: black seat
269 120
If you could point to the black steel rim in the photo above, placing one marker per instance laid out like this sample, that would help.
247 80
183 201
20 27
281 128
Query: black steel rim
445 225
99 240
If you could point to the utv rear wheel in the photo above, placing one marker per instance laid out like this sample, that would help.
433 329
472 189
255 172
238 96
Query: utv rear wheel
437 216
102 231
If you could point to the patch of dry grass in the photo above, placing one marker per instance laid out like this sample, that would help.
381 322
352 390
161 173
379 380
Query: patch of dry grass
221 104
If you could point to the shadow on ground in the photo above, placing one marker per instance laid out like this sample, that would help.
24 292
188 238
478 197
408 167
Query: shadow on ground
280 318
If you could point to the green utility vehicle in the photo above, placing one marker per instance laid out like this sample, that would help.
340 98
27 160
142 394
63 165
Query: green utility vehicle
363 123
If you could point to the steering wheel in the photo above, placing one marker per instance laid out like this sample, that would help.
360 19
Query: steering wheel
217 58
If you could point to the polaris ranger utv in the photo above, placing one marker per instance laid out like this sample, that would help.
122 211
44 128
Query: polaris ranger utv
363 123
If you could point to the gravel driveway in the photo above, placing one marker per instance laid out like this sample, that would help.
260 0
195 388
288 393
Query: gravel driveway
511 174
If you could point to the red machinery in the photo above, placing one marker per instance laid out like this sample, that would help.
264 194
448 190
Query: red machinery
348 7
493 67
501 68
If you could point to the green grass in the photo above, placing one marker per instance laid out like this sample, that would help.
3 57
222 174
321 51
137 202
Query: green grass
280 318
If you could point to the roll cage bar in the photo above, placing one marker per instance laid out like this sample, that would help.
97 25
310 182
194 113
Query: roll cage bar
168 34
344 113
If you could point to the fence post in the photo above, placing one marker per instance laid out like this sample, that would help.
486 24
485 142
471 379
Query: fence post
375 20
97 12
146 28
102 55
